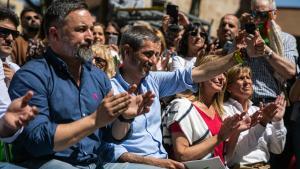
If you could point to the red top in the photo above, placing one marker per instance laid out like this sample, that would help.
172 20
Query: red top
213 125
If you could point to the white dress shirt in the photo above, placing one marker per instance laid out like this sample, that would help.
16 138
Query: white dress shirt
4 97
179 62
255 144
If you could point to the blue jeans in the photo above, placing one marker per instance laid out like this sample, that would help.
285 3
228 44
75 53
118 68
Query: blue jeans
57 164
128 166
9 166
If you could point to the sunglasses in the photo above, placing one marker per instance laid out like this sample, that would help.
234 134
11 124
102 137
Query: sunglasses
4 32
32 17
261 14
100 62
111 33
196 33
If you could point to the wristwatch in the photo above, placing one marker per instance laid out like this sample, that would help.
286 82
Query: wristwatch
122 119
269 55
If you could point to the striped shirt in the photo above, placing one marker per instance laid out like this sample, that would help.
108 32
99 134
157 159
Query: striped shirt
265 84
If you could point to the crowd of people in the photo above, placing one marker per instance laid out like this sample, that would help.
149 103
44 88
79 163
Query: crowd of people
76 93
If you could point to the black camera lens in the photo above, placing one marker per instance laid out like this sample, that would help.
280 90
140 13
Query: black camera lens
250 28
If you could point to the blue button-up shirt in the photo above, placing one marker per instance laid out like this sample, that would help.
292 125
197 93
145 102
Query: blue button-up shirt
60 101
145 138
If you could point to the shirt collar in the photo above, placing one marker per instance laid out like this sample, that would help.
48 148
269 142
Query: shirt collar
238 105
123 83
59 64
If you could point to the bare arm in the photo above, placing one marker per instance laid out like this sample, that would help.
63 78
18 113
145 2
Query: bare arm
69 134
165 163
184 152
256 47
281 65
209 70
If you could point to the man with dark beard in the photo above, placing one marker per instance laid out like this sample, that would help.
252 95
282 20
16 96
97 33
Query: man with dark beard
74 98
31 25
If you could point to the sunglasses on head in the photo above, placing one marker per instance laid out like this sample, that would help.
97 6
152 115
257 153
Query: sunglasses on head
261 14
4 32
99 60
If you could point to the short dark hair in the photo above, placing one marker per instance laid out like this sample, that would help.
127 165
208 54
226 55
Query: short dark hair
6 13
115 25
58 11
135 37
27 9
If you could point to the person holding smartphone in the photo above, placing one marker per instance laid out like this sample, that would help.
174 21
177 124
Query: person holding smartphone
273 63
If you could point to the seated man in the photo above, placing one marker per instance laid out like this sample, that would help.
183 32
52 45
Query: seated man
8 32
140 49
74 98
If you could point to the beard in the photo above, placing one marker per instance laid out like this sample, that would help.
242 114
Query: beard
145 68
33 28
84 53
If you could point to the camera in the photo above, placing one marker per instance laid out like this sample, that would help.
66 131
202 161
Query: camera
250 28
172 11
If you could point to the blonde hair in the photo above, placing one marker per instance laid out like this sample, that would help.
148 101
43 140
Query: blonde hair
217 98
232 75
104 52
161 36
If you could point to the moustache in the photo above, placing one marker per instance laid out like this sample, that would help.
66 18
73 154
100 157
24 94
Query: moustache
84 52
148 65
9 43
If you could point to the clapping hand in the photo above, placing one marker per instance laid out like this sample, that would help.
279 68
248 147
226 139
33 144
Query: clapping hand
18 114
279 112
139 104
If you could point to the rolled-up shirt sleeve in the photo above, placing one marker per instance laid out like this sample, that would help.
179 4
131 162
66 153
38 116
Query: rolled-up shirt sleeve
276 135
39 134
118 151
170 83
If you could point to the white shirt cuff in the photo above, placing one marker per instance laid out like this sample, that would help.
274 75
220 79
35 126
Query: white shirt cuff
278 124
11 138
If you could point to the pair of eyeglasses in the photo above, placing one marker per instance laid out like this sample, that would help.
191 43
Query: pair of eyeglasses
112 33
196 33
261 14
100 62
5 32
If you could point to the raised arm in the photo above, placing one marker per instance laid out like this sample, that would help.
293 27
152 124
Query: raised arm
209 70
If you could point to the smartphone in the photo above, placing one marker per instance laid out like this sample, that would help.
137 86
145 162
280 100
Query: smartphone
172 11
228 46
113 40
250 28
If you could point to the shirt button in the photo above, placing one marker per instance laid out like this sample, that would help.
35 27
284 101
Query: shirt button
83 114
